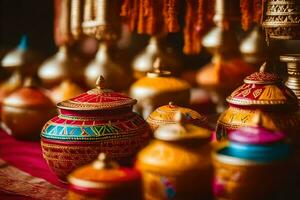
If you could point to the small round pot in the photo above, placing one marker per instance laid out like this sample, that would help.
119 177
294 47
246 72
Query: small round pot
25 111
105 180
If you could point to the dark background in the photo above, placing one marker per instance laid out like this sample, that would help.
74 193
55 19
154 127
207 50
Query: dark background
31 17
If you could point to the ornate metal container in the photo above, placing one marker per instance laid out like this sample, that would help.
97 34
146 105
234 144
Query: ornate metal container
177 165
293 69
158 88
99 120
25 111
262 99
246 167
164 115
282 19
66 90
144 61
105 180
63 65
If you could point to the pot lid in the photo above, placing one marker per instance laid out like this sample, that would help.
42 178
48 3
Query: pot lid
103 173
262 88
159 81
165 115
256 135
98 98
181 130
29 96
257 144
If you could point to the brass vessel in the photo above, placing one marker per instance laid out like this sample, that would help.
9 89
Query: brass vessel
66 90
106 180
164 115
282 19
144 61
22 59
63 65
117 78
157 89
25 111
254 48
227 69
177 164
293 69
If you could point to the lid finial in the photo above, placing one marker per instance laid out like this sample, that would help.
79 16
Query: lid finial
100 83
28 82
103 162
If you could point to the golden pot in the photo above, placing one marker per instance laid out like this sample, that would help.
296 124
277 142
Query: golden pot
158 88
66 90
105 180
63 65
165 115
117 78
263 100
144 61
177 165
281 19
25 111
253 47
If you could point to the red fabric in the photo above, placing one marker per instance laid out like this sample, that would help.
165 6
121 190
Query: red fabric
26 156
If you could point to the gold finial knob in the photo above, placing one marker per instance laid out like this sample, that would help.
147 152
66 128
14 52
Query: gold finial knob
172 104
28 82
100 83
157 64
266 67
103 162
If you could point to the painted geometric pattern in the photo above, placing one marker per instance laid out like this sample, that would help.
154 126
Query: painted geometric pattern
58 128
262 94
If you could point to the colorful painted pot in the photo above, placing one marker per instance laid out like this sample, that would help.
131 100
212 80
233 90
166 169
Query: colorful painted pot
105 180
158 88
254 165
165 115
262 100
177 165
99 120
25 111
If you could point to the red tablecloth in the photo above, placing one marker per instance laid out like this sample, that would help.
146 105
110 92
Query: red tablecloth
24 156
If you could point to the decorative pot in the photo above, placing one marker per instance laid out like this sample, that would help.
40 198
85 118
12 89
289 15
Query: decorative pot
245 168
293 69
158 88
99 120
282 19
262 100
144 61
164 115
25 111
177 165
105 180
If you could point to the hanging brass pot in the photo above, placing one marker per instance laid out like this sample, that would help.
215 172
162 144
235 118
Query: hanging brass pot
117 78
63 65
144 61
